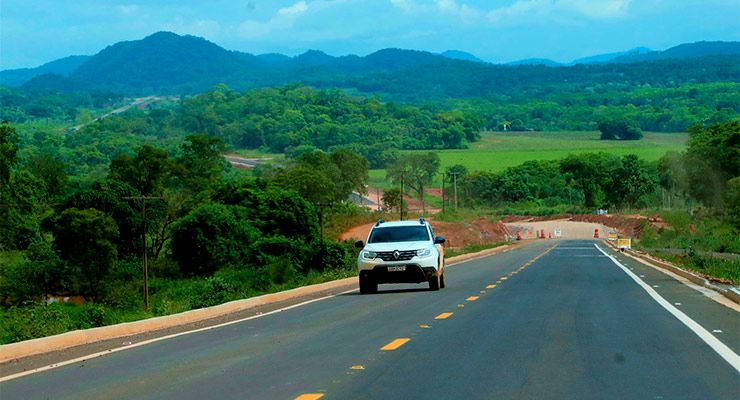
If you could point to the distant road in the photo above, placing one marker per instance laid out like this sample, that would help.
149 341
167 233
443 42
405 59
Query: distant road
548 320
135 102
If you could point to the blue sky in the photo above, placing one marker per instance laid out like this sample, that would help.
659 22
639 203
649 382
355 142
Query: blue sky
33 32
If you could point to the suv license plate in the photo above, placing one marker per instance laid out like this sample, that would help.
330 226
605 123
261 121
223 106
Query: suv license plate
397 269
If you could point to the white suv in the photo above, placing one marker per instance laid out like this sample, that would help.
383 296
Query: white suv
401 252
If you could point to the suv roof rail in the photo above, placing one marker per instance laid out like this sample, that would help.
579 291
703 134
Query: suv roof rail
380 221
421 220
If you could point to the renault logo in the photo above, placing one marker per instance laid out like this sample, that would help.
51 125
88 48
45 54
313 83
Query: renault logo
396 254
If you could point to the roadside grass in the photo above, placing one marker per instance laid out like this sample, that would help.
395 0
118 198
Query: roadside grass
725 270
167 296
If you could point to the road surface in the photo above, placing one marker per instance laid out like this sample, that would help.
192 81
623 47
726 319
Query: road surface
549 320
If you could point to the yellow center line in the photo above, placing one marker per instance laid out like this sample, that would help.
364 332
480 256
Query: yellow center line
444 315
461 305
503 278
395 344
491 287
310 396
424 326
357 367
472 298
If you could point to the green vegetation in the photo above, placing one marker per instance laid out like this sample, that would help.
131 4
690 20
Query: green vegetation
497 151
213 234
518 140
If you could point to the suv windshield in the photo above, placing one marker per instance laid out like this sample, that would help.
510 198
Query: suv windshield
399 234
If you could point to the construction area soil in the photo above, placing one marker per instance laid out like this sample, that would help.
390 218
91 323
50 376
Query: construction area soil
483 231
480 231
625 225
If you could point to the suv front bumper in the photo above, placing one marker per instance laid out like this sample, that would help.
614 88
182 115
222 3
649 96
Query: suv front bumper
413 273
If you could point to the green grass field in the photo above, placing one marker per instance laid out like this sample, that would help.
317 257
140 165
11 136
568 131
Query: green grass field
497 151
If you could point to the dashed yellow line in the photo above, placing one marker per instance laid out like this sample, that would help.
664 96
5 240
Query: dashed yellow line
472 298
357 367
395 344
444 315
503 278
491 287
310 396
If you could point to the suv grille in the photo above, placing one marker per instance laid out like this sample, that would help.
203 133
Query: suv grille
402 255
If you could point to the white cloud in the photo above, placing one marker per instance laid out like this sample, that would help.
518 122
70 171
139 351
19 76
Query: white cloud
447 5
127 9
296 8
402 4
525 10
282 20
603 9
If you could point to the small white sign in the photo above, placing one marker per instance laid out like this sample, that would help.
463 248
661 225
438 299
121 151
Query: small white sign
558 232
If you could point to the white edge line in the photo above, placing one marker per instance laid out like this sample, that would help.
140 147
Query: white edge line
725 352
174 335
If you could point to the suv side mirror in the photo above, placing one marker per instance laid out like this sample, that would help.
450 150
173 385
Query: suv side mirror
359 244
439 240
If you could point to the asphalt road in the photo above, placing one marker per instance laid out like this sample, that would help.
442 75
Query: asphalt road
563 321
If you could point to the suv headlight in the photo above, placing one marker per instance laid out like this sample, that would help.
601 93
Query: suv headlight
369 254
424 252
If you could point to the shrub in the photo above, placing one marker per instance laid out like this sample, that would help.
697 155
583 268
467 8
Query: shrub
211 237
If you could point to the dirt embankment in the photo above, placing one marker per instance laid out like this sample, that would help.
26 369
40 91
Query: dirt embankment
457 234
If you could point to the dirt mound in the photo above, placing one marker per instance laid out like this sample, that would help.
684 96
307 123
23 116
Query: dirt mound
457 234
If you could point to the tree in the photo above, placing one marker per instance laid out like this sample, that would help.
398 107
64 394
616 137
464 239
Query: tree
108 197
352 171
146 171
416 171
712 158
86 240
392 199
8 151
619 129
211 237
201 162
633 180
52 171
592 174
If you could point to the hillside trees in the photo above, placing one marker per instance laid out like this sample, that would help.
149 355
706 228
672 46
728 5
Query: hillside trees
86 240
705 171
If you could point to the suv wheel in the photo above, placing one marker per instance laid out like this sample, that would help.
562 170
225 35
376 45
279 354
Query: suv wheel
434 282
367 285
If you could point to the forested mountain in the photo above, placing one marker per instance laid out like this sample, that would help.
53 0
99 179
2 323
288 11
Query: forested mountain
63 66
686 51
461 55
166 63
536 61
609 57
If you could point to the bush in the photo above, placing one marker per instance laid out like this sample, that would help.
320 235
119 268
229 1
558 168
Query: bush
281 271
211 237
34 320
328 255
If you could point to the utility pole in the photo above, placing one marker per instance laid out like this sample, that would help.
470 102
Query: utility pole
454 177
321 207
143 200
443 193
402 174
